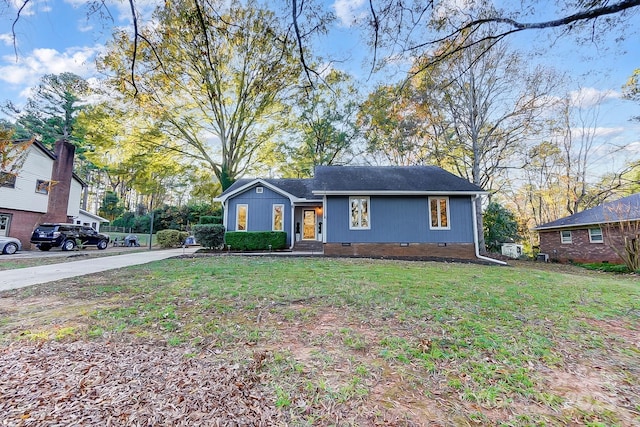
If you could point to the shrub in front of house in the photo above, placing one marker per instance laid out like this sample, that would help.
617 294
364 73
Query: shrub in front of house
209 235
210 219
606 267
171 238
256 240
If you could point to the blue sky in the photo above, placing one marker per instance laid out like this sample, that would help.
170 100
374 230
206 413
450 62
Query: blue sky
56 36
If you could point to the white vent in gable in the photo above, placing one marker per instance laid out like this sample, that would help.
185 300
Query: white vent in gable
259 190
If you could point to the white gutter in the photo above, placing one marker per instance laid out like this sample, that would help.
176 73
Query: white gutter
583 224
475 236
259 181
394 193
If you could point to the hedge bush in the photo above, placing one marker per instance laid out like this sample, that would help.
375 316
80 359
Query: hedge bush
171 238
210 219
256 240
209 235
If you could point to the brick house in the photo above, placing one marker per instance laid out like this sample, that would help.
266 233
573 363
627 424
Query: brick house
589 236
45 190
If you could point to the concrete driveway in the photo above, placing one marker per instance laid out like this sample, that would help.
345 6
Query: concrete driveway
23 277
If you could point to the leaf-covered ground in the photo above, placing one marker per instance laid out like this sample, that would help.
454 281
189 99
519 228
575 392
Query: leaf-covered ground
267 341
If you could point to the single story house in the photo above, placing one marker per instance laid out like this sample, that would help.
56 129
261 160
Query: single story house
89 219
392 211
588 236
44 190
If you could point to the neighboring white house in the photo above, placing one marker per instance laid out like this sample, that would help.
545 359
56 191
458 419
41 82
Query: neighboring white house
44 190
87 218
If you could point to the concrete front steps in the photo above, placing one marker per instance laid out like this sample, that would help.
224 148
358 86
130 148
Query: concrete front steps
308 246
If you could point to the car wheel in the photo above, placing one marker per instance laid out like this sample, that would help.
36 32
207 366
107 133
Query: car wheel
102 244
10 249
68 245
44 247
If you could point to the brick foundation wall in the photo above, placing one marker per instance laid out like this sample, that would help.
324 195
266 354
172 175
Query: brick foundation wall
394 250
22 225
579 250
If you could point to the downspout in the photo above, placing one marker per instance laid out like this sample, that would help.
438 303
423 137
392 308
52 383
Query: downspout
324 219
475 236
225 214
292 236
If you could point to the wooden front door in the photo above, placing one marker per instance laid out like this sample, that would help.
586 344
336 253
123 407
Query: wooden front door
309 225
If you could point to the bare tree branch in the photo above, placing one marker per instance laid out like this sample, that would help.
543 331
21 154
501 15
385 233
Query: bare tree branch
13 27
294 17
458 39
584 15
376 29
134 17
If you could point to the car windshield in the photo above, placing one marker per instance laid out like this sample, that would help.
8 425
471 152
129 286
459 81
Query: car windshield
46 228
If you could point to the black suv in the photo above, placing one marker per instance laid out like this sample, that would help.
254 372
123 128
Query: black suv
67 236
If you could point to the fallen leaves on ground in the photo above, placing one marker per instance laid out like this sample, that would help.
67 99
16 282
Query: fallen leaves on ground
106 383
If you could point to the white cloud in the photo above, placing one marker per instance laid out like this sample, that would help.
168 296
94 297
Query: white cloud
122 9
13 74
608 132
26 9
349 12
589 97
31 7
7 39
633 147
85 27
453 8
30 68
598 132
77 3
110 12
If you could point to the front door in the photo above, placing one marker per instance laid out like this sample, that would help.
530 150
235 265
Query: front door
309 225
4 224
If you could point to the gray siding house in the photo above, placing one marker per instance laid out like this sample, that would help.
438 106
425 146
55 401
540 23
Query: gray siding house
393 211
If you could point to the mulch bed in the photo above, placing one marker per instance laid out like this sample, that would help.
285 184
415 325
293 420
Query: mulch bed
113 384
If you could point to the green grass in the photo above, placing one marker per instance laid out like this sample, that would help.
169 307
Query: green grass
358 334
143 238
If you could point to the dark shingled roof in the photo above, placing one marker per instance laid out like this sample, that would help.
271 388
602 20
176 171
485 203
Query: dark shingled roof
369 179
300 188
390 179
627 208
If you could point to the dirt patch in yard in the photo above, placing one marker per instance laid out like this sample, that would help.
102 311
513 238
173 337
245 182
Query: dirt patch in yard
618 328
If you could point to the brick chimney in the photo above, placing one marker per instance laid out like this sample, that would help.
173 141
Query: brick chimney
61 177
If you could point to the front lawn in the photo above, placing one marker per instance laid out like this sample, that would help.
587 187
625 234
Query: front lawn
314 341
